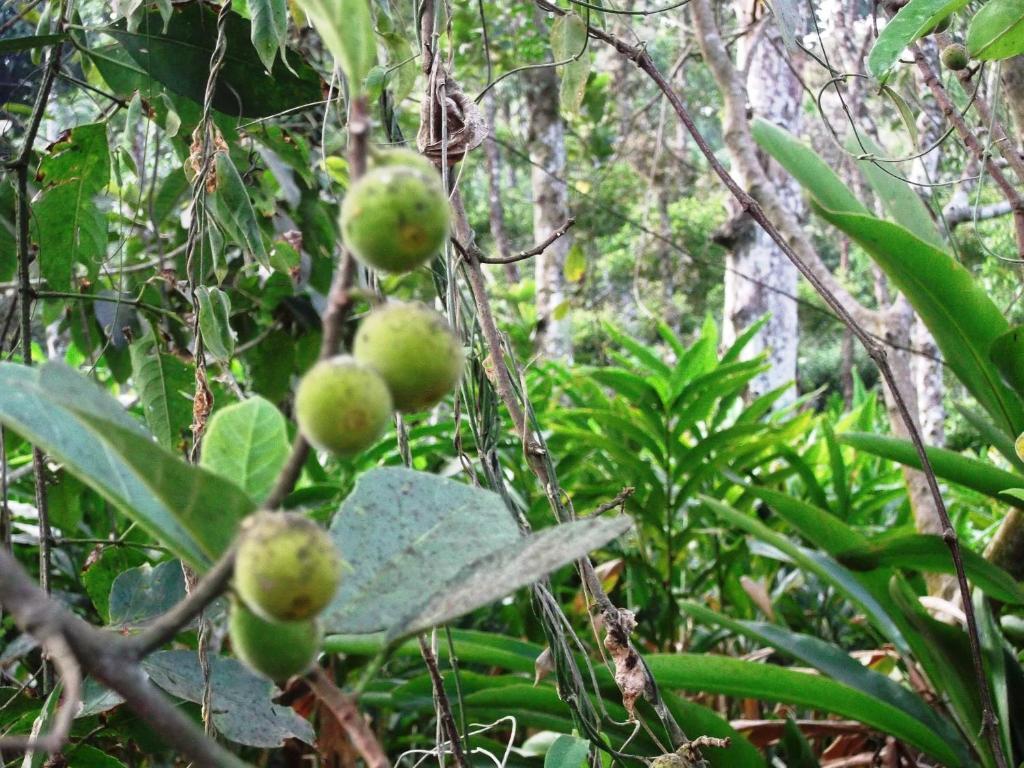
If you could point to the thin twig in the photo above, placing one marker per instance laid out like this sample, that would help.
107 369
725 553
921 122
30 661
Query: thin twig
443 705
530 253
70 674
344 710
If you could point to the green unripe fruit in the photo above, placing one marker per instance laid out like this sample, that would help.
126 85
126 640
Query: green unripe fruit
278 650
406 157
395 217
342 406
955 57
286 566
414 350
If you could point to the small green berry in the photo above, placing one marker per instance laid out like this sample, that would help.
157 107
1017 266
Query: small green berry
414 350
395 218
342 406
955 57
278 650
286 566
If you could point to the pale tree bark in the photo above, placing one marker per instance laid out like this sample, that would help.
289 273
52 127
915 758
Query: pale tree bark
550 210
1013 88
496 210
773 93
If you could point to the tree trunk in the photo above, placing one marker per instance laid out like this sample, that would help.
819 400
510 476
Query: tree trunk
550 210
1013 88
774 94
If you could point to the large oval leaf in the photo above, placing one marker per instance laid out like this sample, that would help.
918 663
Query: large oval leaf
421 550
997 31
247 443
180 59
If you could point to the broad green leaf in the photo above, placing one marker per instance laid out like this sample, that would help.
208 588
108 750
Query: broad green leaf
346 27
746 679
569 44
234 212
834 662
15 44
422 550
143 593
247 443
99 577
180 59
165 386
66 222
929 553
269 29
914 20
567 752
959 313
36 404
996 31
980 476
214 322
243 707
207 506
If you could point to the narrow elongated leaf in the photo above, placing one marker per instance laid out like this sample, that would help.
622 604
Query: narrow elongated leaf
269 29
1007 353
346 27
796 750
247 443
569 44
929 553
977 475
30 42
423 550
995 660
35 404
179 58
914 20
831 660
747 679
164 384
962 318
820 527
996 31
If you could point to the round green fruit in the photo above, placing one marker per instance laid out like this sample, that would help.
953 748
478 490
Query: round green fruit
414 350
286 566
342 406
955 57
395 217
278 650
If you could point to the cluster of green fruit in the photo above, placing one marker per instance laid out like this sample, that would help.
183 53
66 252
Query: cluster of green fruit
286 572
405 357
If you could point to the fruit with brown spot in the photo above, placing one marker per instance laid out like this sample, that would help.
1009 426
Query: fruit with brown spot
286 566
